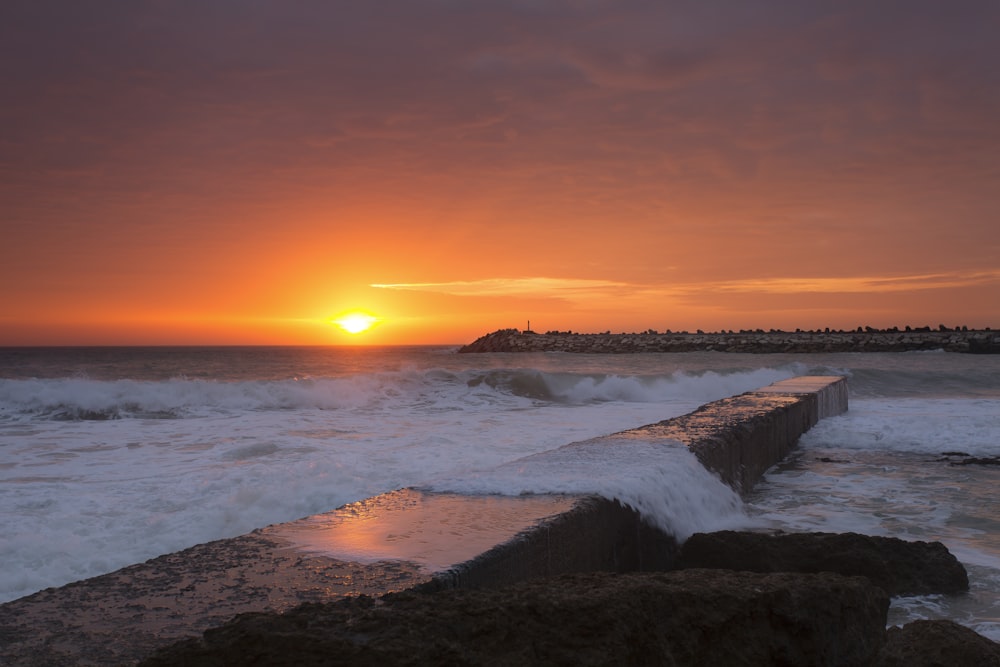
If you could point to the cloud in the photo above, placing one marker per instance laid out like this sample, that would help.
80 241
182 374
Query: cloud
567 288
841 285
143 143
861 284
583 289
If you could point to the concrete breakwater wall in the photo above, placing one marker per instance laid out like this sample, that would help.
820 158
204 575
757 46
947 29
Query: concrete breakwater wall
402 540
512 340
738 438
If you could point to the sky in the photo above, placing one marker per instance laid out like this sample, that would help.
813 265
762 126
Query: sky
247 172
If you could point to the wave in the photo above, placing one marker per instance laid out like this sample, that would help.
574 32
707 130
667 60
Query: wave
922 382
74 399
437 389
82 399
583 388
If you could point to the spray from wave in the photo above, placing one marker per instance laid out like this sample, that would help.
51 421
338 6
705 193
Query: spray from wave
584 388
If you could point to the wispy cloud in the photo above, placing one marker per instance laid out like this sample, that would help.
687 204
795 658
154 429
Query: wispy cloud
570 288
851 284
578 289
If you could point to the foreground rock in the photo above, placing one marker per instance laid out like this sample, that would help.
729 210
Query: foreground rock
898 566
691 617
937 644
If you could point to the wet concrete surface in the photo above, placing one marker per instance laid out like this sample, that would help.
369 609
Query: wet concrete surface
120 617
384 544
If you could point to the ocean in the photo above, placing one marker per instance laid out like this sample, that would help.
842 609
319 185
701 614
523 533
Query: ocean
111 456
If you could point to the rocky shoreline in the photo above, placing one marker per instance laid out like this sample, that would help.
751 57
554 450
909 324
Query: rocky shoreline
959 339
736 599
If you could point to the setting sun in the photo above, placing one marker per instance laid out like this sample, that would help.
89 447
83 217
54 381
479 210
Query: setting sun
355 322
445 198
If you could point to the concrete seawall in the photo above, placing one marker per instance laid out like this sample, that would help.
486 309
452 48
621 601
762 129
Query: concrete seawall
404 539
512 340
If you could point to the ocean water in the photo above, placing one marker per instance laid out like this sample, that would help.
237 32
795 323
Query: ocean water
111 456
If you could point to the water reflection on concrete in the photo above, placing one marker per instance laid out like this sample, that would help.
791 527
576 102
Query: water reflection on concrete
433 530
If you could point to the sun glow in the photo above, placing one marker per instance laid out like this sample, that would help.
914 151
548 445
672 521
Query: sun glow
355 322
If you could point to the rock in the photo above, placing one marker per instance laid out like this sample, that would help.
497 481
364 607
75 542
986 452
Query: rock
898 566
963 459
691 617
937 644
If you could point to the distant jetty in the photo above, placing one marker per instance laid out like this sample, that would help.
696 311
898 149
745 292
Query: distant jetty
960 339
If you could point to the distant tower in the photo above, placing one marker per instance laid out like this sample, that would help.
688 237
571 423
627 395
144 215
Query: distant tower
529 326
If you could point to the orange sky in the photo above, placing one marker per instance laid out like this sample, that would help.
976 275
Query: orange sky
240 173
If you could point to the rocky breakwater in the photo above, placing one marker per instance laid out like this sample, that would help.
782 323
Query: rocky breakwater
868 339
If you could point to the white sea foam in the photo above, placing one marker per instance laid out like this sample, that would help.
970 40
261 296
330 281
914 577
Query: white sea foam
978 609
926 426
879 492
891 482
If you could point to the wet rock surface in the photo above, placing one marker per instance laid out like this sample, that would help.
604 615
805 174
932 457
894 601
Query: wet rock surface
691 617
964 459
937 644
898 566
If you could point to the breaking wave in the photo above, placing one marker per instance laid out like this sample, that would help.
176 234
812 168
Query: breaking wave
70 399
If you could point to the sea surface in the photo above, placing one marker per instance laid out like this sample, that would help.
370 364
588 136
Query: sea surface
111 456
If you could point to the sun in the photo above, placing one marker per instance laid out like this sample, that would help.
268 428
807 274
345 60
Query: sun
355 322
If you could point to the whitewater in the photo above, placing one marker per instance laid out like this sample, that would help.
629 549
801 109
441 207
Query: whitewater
111 456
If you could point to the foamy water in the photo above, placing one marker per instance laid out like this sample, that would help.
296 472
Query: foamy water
879 470
110 457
